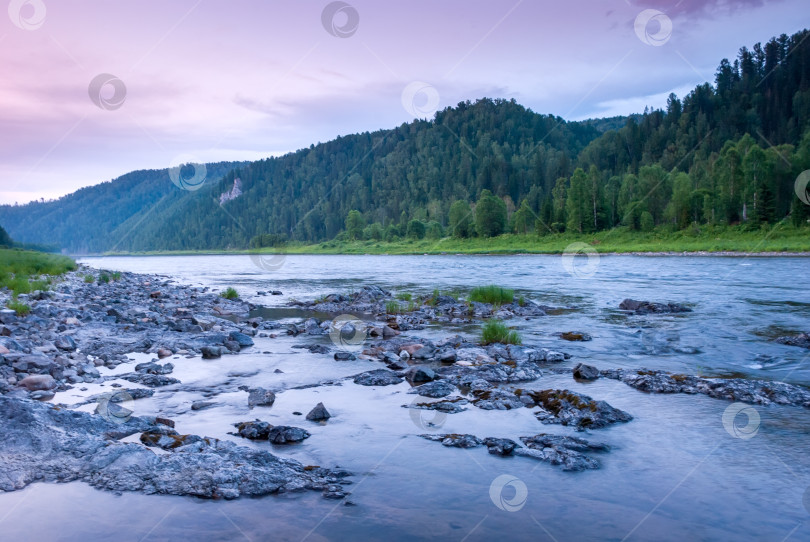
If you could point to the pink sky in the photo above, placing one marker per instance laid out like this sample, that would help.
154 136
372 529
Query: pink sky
243 80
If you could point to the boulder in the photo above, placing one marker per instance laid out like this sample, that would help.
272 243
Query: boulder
421 374
211 352
378 377
260 397
586 372
65 342
37 382
242 339
319 413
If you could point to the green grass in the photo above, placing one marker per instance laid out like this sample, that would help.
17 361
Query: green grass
497 332
89 279
230 293
17 266
103 278
116 276
20 308
404 296
492 294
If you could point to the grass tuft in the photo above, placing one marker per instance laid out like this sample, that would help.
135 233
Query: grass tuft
230 293
497 332
492 294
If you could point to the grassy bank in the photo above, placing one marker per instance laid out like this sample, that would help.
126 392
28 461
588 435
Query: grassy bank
777 239
23 271
781 238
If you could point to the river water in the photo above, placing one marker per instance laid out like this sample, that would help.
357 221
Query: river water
673 473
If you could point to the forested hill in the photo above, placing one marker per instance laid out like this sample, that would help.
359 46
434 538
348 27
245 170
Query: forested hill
726 153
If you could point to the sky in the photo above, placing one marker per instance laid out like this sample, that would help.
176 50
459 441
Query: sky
92 90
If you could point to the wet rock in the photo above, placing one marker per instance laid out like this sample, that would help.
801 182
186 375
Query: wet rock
257 430
42 395
314 348
154 368
455 440
569 408
47 444
260 397
319 413
211 352
202 405
586 372
334 491
497 399
150 380
648 307
378 377
242 339
758 392
344 356
801 340
435 389
448 406
164 353
421 374
570 452
575 336
283 434
167 439
500 446
37 382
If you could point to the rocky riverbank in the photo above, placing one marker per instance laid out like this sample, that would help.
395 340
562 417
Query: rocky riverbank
86 322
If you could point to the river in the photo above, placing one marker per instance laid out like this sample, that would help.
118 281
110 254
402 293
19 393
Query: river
673 473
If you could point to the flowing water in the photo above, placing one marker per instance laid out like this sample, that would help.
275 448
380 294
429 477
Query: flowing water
673 473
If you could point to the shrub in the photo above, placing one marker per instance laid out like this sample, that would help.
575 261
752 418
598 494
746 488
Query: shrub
89 279
103 278
116 276
496 332
230 293
404 296
493 294
20 308
393 307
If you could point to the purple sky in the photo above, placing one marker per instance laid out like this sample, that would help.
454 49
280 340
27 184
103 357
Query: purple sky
237 80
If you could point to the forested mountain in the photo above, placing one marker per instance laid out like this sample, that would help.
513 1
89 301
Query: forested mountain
105 216
724 154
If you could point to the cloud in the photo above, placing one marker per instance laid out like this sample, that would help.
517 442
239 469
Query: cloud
700 8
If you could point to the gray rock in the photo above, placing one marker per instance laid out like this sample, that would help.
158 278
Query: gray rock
562 450
211 352
435 389
421 374
648 307
150 380
586 372
569 408
378 377
202 405
319 413
260 397
455 441
241 338
344 356
500 446
46 444
65 342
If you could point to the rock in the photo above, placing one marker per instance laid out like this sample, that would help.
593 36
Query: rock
500 446
647 307
211 352
801 340
569 408
37 382
448 406
47 444
562 450
421 374
314 348
242 339
436 389
65 342
42 395
150 380
319 413
257 430
586 372
260 397
758 392
154 368
574 336
455 440
388 333
283 434
202 405
164 353
165 421
344 356
378 377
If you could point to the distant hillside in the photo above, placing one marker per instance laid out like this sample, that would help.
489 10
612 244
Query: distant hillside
707 158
